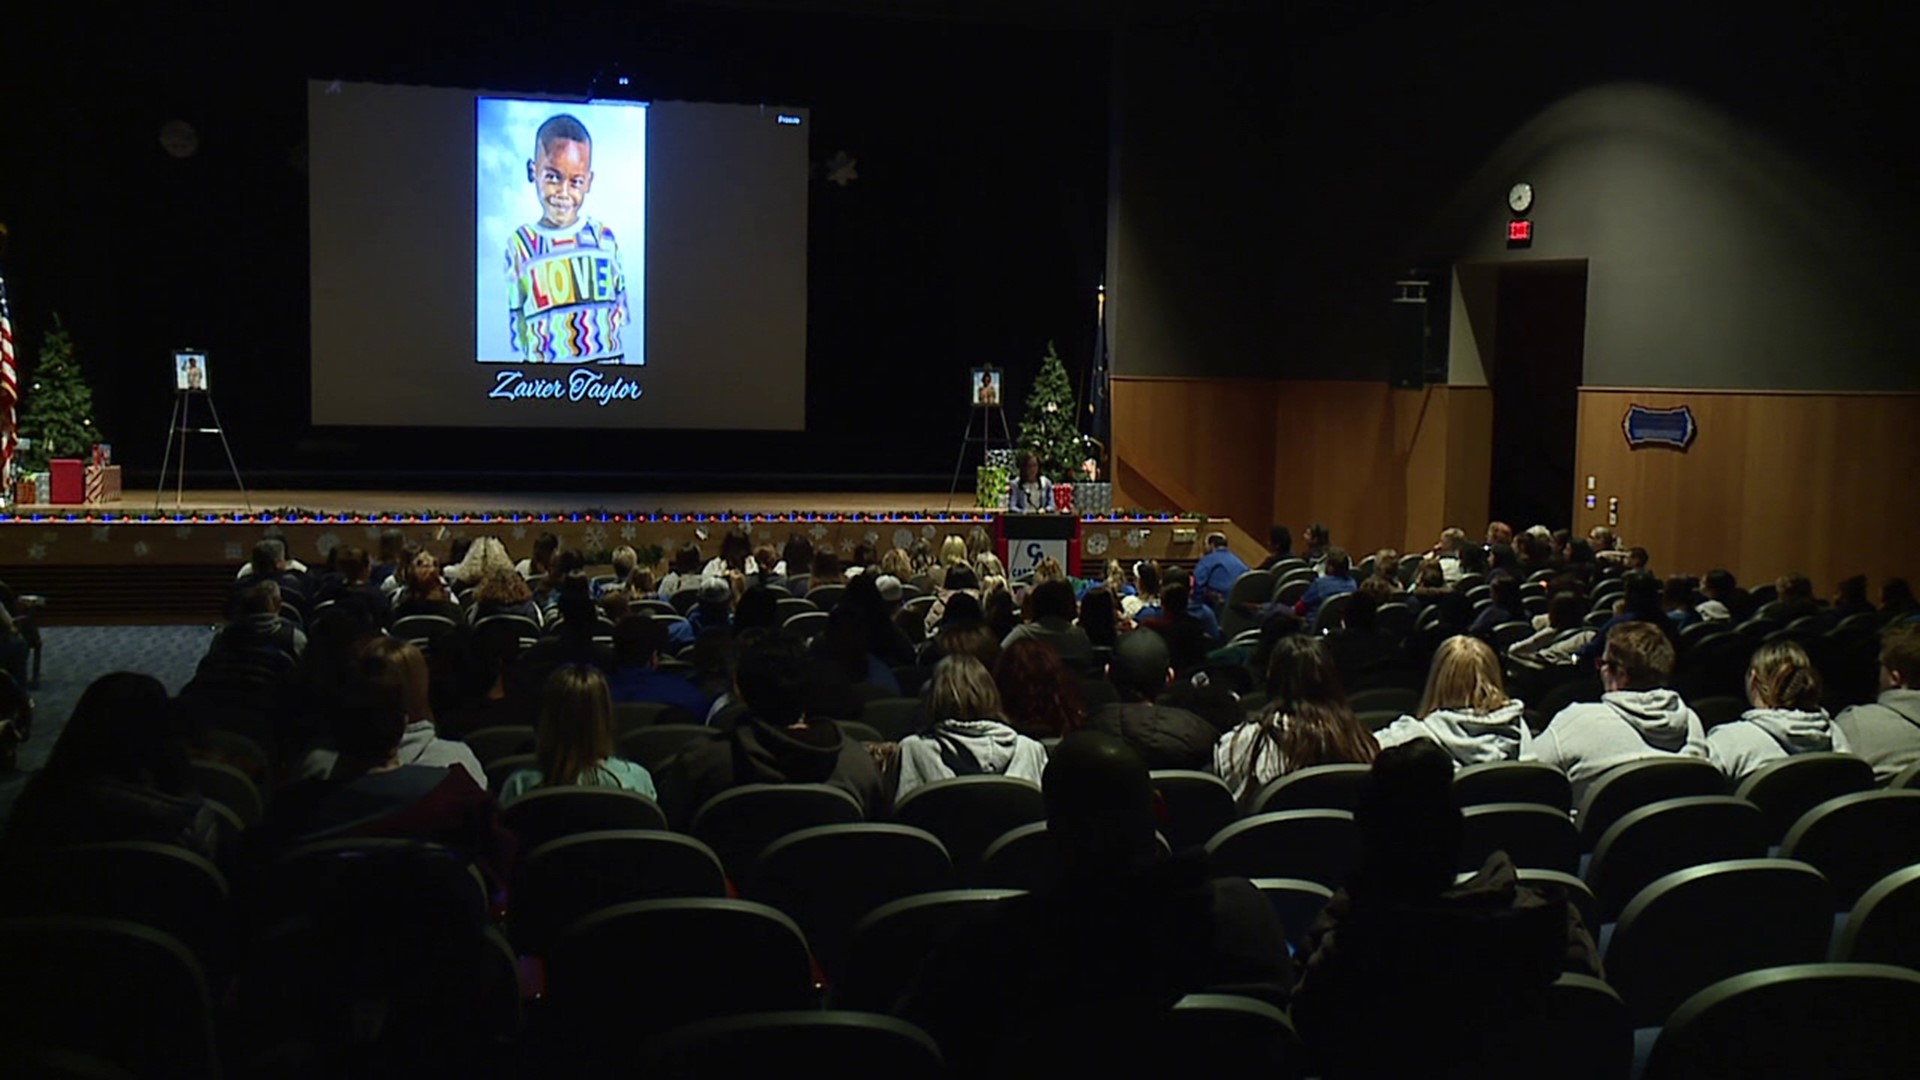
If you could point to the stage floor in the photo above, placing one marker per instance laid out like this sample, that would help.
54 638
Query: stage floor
565 502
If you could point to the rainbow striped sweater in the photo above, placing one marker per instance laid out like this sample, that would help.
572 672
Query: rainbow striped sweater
566 294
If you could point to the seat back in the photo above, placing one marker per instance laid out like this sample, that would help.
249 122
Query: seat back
1318 787
163 886
740 822
654 745
1297 903
1253 587
827 878
231 788
1848 1012
1511 782
491 744
1673 834
1855 840
1317 845
1620 791
1197 806
1576 1030
1884 927
861 1045
969 813
566 879
1690 929
807 624
1226 1035
549 813
1025 858
121 992
893 718
1400 699
633 715
826 597
1786 789
1532 835
886 946
499 770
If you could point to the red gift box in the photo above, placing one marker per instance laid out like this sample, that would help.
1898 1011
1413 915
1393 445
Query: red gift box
1063 498
67 481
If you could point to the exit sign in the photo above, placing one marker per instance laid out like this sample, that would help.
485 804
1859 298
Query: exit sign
1520 233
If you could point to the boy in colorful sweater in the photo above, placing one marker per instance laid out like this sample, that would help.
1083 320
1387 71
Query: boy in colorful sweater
566 294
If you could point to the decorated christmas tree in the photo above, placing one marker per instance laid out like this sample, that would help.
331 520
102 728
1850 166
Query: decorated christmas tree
1051 428
56 409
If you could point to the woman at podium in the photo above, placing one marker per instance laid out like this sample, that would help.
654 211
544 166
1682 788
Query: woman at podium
1030 493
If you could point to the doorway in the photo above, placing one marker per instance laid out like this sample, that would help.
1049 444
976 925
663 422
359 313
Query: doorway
1539 317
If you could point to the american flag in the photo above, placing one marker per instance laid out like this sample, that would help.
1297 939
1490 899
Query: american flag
9 391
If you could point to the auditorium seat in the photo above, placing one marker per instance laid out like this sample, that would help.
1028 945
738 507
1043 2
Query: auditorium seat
1296 902
492 744
1884 927
634 715
655 745
1714 711
1025 858
1655 840
1318 787
1532 835
740 822
826 597
549 813
1786 789
231 788
886 946
499 769
163 886
1197 805
1512 781
1399 698
858 1045
1317 845
893 718
564 880
1226 1035
1575 1028
1619 791
1855 840
1829 1020
1907 779
969 813
827 878
1692 928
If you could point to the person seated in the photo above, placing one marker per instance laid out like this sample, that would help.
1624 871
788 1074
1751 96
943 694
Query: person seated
1048 614
686 572
1306 721
1897 602
969 735
269 563
638 641
1465 708
1279 547
861 646
623 559
573 743
964 634
1793 600
1030 492
393 554
119 771
350 582
1386 570
960 581
1144 602
711 613
1680 598
1217 570
534 567
1335 580
1356 643
1402 938
1639 603
1786 719
420 743
1535 553
1886 731
370 792
1100 617
1850 598
826 571
1317 539
503 592
1499 534
1074 981
422 592
735 557
1190 628
796 561
492 691
1506 606
1141 669
469 560
270 558
1636 719
1039 697
1725 599
777 743
260 626
1447 551
1547 647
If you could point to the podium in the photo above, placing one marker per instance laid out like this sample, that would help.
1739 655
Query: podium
1024 539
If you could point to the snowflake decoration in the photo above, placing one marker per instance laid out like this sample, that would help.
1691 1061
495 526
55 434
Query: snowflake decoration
1136 538
231 552
326 542
594 538
1096 544
37 552
871 537
140 549
846 545
181 532
519 532
628 532
903 538
929 531
818 532
100 533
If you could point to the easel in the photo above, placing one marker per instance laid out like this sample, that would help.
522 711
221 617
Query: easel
987 414
179 425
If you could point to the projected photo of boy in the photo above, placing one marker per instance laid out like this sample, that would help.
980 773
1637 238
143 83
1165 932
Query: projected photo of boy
567 295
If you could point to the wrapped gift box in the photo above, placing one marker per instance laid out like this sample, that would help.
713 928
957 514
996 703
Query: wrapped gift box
68 481
1063 498
1091 499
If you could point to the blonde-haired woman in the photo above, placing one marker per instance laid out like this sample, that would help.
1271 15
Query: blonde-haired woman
574 744
1784 689
969 735
1465 708
486 555
953 552
987 565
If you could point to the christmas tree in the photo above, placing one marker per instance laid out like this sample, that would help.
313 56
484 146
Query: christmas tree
56 411
1051 428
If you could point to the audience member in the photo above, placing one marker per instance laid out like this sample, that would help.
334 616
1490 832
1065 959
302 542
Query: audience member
1725 599
1886 732
1793 600
1637 718
1786 719
1317 539
422 592
1100 617
1217 570
270 558
960 581
998 608
1681 601
638 641
1850 598
1306 721
1639 603
1074 982
269 563
735 557
1897 600
1141 669
260 625
1499 533
1190 628
1030 492
1402 937
546 547
1504 591
1465 708
1355 643
969 735
574 741
1335 580
1279 546
350 583
1145 601
1038 695
392 660
504 593
1049 612
965 636
778 743
1552 644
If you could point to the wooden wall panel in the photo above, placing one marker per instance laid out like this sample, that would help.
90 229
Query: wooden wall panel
1197 446
1774 482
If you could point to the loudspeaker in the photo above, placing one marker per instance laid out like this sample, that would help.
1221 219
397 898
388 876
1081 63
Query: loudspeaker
1421 305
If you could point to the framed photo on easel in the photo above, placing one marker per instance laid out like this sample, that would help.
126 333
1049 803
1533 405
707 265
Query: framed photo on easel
986 388
190 371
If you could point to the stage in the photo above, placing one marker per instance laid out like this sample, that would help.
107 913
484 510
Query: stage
128 562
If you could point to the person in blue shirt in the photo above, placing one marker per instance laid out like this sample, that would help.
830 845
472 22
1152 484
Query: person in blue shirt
1030 492
1335 580
637 643
1217 570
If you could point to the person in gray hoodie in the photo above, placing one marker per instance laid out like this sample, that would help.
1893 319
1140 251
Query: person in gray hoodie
1465 708
1886 732
1636 719
971 736
1786 719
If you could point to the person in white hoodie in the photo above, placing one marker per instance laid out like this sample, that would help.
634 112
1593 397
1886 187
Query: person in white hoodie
1786 719
1636 719
1886 731
969 736
1465 708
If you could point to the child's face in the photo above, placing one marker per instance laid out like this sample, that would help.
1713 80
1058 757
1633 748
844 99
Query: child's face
562 173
